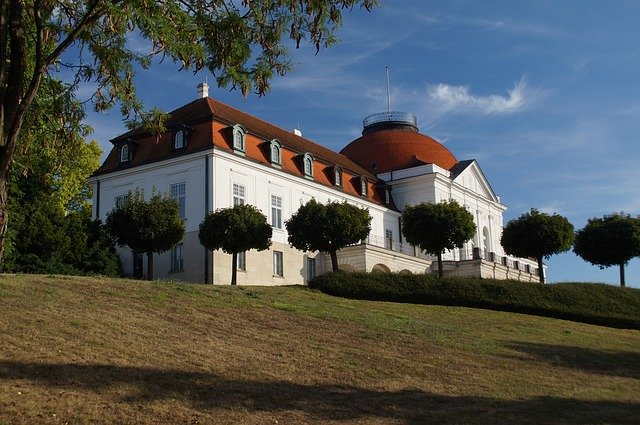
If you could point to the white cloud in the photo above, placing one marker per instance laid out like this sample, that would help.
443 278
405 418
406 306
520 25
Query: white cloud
447 99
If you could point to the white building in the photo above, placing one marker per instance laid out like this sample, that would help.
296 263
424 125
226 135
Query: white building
214 156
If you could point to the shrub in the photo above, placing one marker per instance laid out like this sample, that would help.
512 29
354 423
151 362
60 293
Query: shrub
598 304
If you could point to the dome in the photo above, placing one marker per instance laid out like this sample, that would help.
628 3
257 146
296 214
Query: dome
394 144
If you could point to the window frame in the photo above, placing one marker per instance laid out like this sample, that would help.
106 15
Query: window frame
278 264
307 158
388 238
118 200
275 145
182 206
276 211
177 258
364 186
241 261
125 153
311 268
180 133
337 176
239 139
234 196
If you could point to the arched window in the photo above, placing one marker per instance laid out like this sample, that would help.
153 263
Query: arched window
239 144
178 140
307 165
125 153
363 186
337 175
276 153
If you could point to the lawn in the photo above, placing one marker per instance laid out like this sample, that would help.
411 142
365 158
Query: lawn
87 350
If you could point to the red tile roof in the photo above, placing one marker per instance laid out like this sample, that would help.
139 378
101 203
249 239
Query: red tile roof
209 118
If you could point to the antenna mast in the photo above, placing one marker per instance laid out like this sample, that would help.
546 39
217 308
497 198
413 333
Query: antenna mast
386 68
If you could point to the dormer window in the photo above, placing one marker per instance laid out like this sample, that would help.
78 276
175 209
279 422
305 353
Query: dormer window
125 153
337 176
307 166
387 195
178 140
275 153
239 142
181 136
363 186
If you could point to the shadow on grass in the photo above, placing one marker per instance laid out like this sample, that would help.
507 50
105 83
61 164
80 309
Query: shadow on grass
615 363
324 402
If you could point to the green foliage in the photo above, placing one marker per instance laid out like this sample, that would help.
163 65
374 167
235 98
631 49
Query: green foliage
242 43
328 227
46 241
146 227
584 302
611 240
235 230
436 227
153 226
538 235
52 155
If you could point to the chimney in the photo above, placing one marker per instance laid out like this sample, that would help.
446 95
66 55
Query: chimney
203 90
297 132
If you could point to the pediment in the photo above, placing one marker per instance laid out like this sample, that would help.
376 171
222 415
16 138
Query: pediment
469 175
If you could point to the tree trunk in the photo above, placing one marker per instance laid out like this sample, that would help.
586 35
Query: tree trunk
334 260
234 268
622 285
540 270
440 272
149 265
4 215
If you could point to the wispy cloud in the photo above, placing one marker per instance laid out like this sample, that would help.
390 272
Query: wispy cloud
510 26
447 99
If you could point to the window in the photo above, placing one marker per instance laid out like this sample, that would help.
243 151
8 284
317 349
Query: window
239 139
277 264
388 239
177 262
311 268
118 201
363 186
238 194
125 153
178 192
307 165
178 140
387 196
276 153
337 176
276 211
241 261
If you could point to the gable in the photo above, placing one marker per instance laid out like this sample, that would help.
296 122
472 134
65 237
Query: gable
469 175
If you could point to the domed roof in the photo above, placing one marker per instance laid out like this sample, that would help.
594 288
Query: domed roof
394 146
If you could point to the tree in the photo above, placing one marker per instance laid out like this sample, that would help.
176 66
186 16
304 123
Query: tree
235 230
146 227
436 227
242 43
46 240
611 240
538 235
328 227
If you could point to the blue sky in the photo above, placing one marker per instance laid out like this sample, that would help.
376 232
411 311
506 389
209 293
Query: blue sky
545 95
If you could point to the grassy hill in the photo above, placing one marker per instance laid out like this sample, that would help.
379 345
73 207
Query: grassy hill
80 350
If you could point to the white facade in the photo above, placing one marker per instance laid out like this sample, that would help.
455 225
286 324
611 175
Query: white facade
215 176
